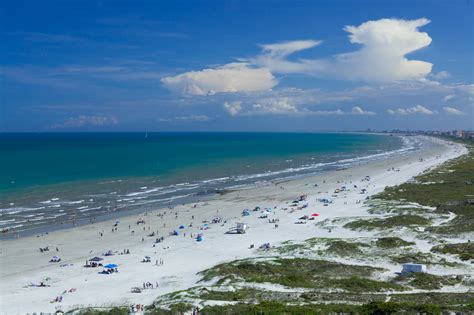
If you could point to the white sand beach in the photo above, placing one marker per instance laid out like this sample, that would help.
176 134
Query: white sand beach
24 267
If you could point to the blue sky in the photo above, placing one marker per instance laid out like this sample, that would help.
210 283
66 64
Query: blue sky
236 65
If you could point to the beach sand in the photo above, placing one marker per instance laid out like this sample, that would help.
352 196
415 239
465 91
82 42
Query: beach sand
22 263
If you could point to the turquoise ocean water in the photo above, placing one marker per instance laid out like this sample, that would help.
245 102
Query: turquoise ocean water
55 178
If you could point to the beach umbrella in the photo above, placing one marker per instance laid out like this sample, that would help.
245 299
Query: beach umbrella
315 215
181 226
96 259
111 266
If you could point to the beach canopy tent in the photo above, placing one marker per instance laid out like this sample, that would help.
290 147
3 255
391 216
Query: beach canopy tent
96 259
55 259
111 266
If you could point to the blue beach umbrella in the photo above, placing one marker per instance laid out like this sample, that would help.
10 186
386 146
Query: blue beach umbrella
111 266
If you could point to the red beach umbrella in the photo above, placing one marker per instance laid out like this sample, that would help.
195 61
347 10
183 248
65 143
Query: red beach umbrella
315 215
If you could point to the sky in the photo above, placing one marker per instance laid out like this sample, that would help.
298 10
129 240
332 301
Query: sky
236 65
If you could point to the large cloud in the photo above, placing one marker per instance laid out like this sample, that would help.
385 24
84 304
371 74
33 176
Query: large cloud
233 77
384 45
381 58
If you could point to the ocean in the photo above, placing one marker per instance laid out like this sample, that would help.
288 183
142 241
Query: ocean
54 180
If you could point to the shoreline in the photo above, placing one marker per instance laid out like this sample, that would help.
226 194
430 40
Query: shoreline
182 255
288 174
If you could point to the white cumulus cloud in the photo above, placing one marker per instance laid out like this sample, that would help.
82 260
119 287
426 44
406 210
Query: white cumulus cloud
452 111
233 77
418 109
233 108
84 120
357 110
275 106
441 75
448 97
189 118
286 106
381 58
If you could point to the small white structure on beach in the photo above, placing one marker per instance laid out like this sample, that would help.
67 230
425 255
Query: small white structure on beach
241 228
412 267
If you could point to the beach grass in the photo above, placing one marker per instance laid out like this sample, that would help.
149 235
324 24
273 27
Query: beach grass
413 257
112 311
372 308
426 281
388 222
333 246
340 247
465 251
301 273
392 242
446 188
